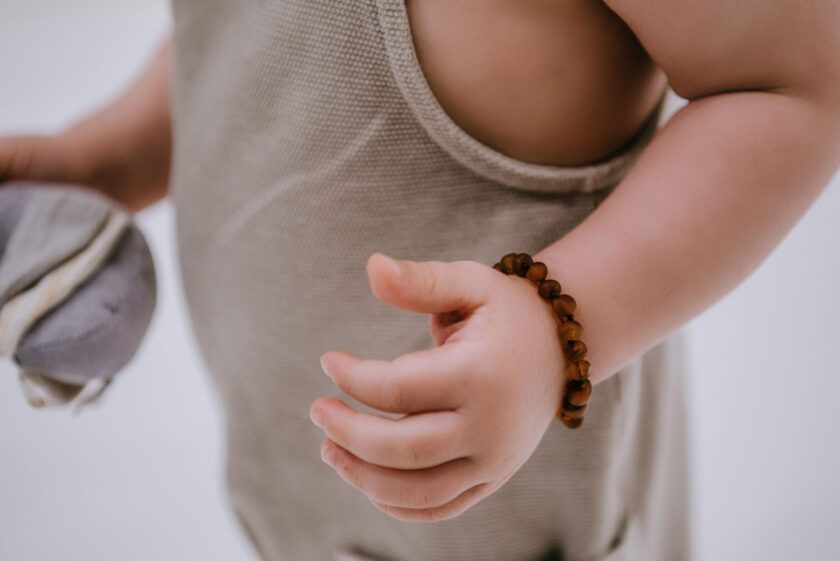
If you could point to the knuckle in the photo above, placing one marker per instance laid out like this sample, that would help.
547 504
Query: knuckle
351 473
479 272
432 514
473 267
406 453
449 512
471 373
419 496
339 433
470 381
428 282
345 374
350 470
470 359
393 396
426 448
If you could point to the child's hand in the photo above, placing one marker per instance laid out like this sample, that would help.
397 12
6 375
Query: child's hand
477 404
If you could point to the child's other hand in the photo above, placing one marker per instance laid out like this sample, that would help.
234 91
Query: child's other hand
476 405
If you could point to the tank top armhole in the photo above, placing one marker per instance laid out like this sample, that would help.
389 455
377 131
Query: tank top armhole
477 156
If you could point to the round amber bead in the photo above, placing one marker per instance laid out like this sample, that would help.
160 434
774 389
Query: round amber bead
578 369
573 411
578 392
568 421
575 350
536 272
564 305
521 264
549 289
498 266
570 330
507 263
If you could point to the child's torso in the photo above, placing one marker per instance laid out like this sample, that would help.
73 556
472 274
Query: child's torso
306 138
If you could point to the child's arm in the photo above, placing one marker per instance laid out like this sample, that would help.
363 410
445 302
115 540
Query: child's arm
722 183
122 150
712 195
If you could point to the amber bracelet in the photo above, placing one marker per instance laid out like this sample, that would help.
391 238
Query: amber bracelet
578 387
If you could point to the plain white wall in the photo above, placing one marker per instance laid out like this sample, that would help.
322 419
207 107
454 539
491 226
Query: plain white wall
141 476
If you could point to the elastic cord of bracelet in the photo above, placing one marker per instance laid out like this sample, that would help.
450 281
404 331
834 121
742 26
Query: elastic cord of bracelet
578 388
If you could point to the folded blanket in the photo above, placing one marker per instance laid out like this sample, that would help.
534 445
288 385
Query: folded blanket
77 291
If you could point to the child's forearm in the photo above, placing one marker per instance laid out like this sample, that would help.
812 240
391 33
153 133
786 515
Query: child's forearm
713 194
126 145
122 149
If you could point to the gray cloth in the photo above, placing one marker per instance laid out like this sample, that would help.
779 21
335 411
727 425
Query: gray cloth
326 145
13 199
96 330
55 224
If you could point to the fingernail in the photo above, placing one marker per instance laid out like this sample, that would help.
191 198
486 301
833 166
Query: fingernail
394 265
324 367
318 418
328 453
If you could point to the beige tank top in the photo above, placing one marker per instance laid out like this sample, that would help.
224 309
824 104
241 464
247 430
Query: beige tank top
306 138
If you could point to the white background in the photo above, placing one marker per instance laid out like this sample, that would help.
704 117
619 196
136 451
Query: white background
141 476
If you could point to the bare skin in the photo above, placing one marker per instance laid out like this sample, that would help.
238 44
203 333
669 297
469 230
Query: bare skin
123 149
559 82
544 81
718 188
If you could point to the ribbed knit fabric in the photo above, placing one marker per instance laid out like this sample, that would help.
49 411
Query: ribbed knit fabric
306 138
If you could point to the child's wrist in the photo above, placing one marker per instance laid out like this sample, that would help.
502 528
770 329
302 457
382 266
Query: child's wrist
577 389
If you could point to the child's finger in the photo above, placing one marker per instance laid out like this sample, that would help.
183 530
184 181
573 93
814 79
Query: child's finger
419 488
429 286
424 380
444 512
412 442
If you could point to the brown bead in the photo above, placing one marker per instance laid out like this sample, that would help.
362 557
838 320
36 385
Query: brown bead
578 414
549 289
573 411
536 272
570 330
574 350
578 392
507 263
521 264
571 423
578 369
498 266
564 305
